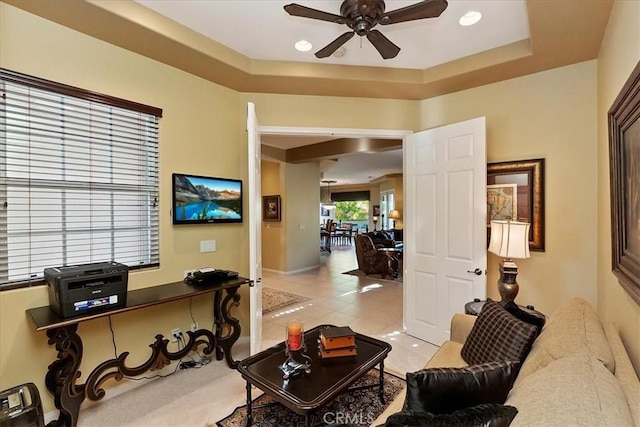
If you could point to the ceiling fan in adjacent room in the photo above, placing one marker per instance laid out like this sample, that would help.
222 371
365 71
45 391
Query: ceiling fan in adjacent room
362 15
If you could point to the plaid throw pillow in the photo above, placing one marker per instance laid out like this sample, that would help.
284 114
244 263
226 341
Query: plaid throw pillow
497 336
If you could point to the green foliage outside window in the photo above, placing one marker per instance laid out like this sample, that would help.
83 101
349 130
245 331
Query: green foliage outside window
352 211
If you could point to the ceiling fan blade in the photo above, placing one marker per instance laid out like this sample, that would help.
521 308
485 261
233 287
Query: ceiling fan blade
382 44
422 10
334 45
294 9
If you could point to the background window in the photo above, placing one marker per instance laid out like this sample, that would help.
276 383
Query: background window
78 179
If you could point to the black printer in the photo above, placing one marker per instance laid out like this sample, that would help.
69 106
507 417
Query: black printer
87 288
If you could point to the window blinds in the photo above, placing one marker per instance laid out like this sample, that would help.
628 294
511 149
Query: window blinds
78 179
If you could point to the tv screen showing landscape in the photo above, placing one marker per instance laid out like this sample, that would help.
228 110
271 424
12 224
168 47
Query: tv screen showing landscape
203 200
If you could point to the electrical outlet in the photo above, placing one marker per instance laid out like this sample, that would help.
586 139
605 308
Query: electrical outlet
176 334
194 326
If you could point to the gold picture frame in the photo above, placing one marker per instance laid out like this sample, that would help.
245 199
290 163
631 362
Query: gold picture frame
528 178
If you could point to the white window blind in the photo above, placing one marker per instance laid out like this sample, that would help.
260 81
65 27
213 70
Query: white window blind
78 179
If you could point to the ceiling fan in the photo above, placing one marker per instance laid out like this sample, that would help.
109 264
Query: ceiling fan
362 15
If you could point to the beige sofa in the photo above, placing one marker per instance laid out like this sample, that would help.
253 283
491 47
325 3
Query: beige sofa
577 373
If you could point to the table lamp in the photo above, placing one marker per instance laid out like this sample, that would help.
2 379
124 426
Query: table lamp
509 239
394 215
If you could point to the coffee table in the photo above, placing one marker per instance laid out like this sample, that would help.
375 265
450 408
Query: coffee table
305 393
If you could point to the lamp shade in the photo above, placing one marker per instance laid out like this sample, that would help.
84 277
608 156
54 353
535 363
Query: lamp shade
510 239
394 214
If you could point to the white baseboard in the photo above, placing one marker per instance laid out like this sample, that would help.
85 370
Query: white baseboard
286 273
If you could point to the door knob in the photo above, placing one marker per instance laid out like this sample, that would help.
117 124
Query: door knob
477 271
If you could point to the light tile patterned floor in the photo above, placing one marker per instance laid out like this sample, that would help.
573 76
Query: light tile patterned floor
369 306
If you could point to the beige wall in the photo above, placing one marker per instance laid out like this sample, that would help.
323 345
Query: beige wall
619 54
334 112
201 132
303 217
551 115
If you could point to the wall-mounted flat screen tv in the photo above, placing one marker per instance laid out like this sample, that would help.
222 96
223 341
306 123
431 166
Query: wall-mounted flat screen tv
205 200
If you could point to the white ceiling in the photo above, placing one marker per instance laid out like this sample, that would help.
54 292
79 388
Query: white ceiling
261 29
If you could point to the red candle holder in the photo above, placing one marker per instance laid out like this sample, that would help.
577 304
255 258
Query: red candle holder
295 335
295 349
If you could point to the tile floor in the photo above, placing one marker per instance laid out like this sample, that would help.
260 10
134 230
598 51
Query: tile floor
369 306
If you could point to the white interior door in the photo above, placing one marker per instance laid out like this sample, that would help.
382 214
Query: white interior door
444 225
255 228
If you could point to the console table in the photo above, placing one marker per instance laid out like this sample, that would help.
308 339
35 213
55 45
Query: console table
63 372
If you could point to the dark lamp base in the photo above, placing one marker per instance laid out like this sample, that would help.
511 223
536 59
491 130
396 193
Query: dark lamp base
507 284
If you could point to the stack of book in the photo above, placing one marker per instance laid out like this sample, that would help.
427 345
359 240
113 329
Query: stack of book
337 341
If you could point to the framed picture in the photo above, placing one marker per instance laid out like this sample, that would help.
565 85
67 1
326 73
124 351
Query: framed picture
271 208
376 210
324 211
502 202
525 178
624 165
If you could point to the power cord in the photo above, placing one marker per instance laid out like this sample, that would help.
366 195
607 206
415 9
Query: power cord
179 365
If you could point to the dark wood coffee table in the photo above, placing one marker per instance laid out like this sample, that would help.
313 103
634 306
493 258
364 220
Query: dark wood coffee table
305 393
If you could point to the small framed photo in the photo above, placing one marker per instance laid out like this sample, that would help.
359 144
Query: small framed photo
271 208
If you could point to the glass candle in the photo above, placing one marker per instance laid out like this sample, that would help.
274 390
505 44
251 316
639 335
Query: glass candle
294 335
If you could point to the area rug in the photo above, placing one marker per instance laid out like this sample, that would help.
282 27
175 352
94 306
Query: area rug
359 407
273 299
359 273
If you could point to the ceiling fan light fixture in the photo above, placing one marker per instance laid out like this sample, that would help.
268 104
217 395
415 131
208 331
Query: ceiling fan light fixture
340 52
470 18
303 46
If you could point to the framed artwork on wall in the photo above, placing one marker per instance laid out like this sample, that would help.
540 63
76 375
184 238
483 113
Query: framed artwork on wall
502 202
624 167
271 208
525 179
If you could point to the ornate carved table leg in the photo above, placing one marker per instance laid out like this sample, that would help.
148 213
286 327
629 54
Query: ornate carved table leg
160 357
227 326
63 372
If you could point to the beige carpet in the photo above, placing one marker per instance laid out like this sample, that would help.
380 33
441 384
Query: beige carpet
273 299
189 398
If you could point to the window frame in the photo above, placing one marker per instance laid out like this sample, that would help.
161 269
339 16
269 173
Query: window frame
61 89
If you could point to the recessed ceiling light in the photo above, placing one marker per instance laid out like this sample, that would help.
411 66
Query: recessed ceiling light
303 46
470 18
